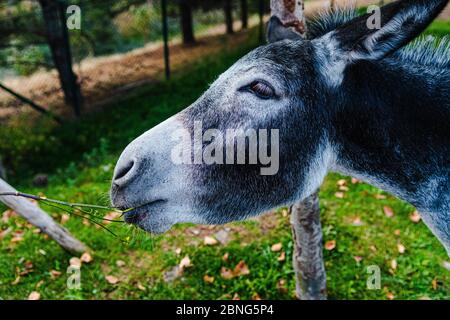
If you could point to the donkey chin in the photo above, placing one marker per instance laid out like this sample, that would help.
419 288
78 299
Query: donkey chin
350 99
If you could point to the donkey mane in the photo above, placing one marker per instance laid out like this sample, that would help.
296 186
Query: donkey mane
327 20
425 51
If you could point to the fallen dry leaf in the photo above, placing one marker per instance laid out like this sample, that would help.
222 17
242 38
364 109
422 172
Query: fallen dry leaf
28 265
394 264
16 281
236 297
281 286
34 296
86 257
241 269
64 218
330 245
17 237
225 257
256 296
54 274
185 263
276 247
380 196
388 211
208 279
178 251
140 286
415 217
397 232
401 248
390 296
112 279
195 232
282 257
210 241
5 232
339 195
75 262
8 214
226 273
434 284
120 263
357 222
284 213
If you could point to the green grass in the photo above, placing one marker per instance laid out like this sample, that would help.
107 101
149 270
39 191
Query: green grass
439 28
90 149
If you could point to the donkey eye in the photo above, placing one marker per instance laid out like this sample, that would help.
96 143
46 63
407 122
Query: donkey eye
262 90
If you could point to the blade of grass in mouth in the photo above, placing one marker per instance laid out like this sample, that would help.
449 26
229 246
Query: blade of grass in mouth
87 211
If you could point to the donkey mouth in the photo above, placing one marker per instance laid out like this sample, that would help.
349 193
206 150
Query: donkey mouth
137 214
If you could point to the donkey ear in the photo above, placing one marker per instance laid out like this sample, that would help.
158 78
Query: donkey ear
276 31
400 22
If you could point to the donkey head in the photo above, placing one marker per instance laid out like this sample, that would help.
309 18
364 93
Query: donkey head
258 138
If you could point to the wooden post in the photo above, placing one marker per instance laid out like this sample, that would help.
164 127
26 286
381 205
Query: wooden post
58 40
228 9
305 216
187 25
261 20
244 14
308 256
2 170
165 30
37 217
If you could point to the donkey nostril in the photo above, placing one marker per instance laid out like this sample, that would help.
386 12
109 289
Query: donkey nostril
122 172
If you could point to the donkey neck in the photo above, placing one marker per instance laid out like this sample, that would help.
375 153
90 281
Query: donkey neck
392 129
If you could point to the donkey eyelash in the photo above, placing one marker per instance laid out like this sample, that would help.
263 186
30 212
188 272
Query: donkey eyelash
261 89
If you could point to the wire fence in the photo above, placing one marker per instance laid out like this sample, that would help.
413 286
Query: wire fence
112 46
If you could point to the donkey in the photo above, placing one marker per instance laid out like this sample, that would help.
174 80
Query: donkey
348 99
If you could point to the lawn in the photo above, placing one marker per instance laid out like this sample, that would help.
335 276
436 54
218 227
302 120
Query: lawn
368 226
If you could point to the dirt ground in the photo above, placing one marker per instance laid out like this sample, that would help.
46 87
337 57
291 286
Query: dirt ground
118 73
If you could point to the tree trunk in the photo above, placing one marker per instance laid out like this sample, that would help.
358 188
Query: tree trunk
187 25
165 31
37 217
308 259
244 14
228 10
58 40
2 170
305 216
